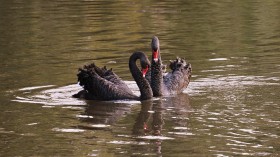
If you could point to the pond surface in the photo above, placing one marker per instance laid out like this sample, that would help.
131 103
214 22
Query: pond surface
231 107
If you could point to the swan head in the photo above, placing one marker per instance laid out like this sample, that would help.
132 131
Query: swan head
155 48
145 64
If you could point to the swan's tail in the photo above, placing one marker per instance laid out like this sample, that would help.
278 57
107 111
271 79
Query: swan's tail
88 76
99 83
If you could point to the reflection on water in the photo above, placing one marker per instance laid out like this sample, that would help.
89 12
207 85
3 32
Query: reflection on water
231 107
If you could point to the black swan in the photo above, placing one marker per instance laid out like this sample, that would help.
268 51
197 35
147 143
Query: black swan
103 84
173 82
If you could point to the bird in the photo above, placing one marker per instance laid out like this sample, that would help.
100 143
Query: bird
103 84
170 83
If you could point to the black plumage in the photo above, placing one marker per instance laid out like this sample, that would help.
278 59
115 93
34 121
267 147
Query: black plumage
103 84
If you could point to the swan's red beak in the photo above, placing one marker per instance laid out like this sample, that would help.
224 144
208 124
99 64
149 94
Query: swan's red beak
155 55
144 71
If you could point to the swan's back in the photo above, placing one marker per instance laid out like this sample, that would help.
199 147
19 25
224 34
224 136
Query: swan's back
102 84
177 80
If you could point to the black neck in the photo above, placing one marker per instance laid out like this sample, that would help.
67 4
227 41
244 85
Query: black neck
157 76
142 83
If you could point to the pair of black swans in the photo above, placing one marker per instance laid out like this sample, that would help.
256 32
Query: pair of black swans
104 84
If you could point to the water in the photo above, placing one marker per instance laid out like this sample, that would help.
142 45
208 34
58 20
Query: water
231 107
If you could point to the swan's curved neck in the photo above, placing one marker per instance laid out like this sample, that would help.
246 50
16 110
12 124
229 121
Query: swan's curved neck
142 83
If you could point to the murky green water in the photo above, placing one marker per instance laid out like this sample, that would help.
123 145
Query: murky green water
231 107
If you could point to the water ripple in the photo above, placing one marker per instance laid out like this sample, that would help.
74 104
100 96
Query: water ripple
200 86
61 95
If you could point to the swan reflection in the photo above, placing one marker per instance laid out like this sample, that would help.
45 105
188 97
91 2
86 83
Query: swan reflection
157 120
102 114
145 128
152 115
